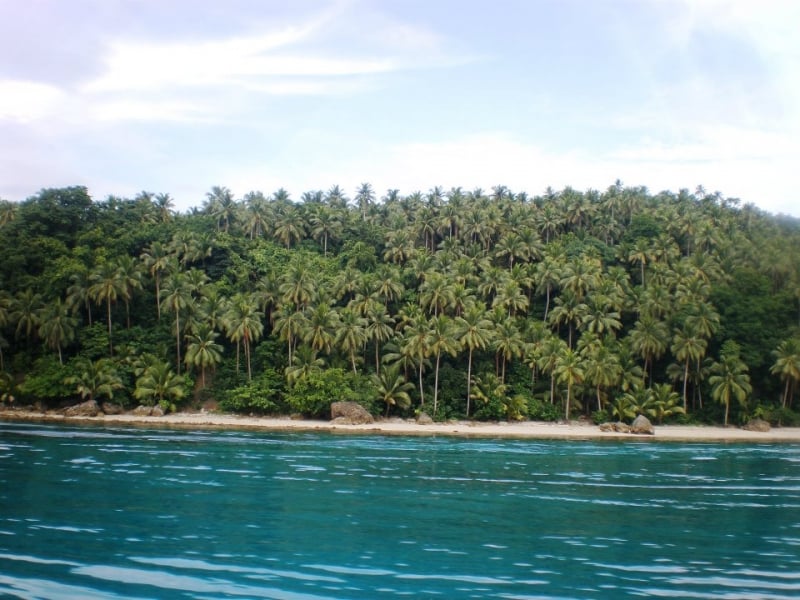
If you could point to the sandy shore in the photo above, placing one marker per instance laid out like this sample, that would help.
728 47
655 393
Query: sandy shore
523 430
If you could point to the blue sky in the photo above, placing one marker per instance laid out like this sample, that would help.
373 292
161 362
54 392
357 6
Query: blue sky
177 96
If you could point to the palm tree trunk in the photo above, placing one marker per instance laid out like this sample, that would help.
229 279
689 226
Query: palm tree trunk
421 392
108 314
158 299
247 358
178 338
685 382
436 384
547 304
469 378
569 392
786 392
599 402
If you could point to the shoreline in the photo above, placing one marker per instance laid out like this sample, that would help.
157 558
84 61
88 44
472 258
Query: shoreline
533 430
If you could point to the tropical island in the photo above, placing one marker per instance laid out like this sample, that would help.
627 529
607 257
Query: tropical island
463 306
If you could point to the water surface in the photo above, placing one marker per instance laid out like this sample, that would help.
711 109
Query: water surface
131 513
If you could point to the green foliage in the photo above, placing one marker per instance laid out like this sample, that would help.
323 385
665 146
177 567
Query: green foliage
541 410
778 416
260 396
158 383
312 395
46 381
599 295
492 403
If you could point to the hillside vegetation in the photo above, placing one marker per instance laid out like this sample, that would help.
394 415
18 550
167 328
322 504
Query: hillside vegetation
463 304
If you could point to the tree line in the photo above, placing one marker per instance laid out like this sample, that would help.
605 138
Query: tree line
464 304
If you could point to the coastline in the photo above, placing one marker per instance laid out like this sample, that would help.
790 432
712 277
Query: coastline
534 430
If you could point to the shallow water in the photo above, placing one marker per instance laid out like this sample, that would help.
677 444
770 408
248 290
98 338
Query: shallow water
131 513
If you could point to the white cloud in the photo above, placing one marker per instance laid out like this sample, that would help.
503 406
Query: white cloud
136 110
27 101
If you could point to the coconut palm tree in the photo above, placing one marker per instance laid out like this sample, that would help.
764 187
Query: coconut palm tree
551 348
203 351
640 253
289 225
177 297
569 369
298 285
510 298
351 334
130 279
416 343
435 293
221 205
24 312
156 259
257 215
159 383
304 362
787 365
56 326
507 344
364 198
96 379
289 325
601 365
688 346
379 329
107 286
391 388
730 380
244 326
164 204
570 311
649 339
548 274
473 331
600 317
441 340
78 293
321 327
325 225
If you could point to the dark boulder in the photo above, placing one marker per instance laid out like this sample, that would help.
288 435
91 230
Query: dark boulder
642 424
618 427
350 413
757 425
84 409
424 419
112 409
142 411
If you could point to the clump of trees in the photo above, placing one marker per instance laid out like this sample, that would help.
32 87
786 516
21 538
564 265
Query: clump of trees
468 304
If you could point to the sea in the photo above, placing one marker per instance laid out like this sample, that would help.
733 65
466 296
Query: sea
102 513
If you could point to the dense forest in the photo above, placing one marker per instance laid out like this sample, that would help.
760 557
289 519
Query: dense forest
462 304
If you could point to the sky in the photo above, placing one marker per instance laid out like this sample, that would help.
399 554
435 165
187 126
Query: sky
177 96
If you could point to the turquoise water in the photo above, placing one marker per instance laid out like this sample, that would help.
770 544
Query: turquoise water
126 513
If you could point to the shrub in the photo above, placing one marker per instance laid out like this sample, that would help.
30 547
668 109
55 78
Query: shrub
261 395
312 395
541 410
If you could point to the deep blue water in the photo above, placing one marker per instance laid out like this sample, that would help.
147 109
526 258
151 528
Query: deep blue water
131 513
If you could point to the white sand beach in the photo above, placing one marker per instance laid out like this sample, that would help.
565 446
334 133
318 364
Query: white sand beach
575 430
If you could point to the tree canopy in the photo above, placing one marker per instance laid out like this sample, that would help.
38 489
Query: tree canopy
459 303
